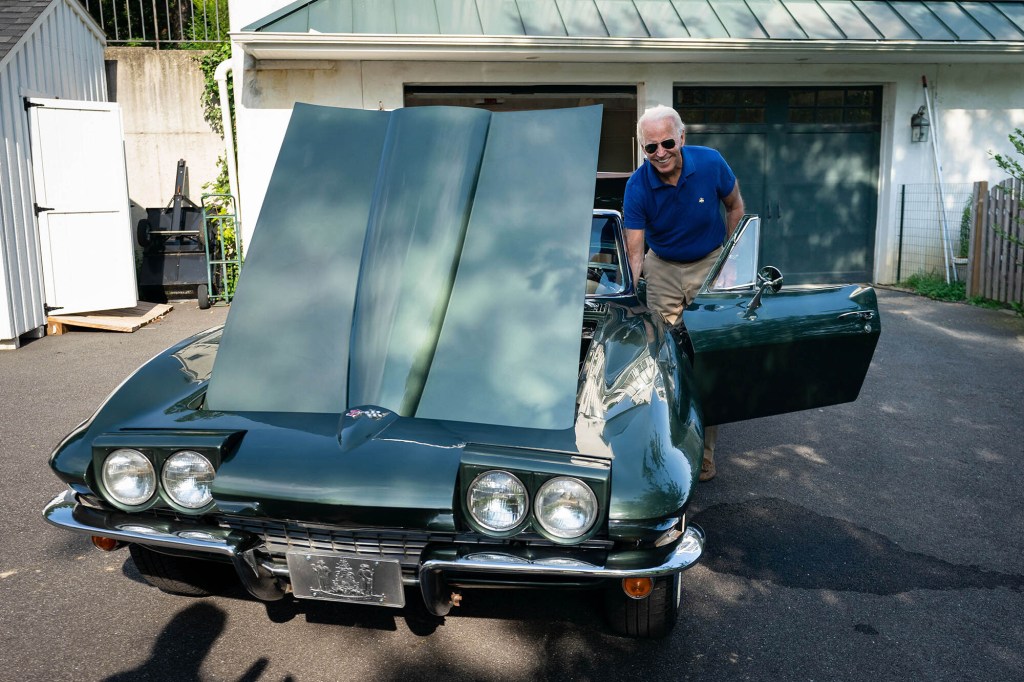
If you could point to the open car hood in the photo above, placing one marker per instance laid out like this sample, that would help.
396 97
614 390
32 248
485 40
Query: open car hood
428 261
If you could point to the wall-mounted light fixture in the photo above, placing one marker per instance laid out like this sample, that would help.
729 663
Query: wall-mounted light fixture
919 125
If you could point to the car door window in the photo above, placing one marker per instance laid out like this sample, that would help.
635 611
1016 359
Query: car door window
736 269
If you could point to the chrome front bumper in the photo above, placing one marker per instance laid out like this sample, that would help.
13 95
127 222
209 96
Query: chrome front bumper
267 581
64 511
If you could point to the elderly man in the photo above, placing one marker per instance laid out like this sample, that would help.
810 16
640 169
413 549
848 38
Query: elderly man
673 199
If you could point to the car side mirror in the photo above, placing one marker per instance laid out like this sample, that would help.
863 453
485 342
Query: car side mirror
768 277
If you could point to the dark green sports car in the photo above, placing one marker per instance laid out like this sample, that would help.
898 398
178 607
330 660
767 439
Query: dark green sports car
402 406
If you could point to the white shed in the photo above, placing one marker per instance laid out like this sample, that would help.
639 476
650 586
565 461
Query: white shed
51 60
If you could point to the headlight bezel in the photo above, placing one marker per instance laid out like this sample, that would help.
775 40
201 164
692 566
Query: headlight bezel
158 448
534 472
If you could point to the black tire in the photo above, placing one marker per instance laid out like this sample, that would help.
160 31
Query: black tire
203 296
180 575
142 233
648 618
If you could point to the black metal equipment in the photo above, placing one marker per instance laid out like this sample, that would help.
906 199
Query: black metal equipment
173 242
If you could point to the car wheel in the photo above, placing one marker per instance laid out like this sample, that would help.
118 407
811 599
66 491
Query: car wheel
648 618
180 575
203 296
142 233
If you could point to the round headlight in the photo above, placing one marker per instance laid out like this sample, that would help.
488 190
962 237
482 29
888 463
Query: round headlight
497 500
566 507
129 477
187 477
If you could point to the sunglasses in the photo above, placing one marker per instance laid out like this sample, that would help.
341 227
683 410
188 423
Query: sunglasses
653 147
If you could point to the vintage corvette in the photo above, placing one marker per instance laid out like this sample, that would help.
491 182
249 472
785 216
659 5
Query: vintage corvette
401 404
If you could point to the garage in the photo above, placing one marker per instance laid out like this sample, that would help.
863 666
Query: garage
811 103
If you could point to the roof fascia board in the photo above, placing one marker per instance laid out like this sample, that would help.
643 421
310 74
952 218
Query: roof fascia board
514 48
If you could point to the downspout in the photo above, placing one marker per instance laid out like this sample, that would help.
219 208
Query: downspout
221 76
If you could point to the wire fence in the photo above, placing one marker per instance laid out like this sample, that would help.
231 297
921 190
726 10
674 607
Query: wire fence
160 23
934 230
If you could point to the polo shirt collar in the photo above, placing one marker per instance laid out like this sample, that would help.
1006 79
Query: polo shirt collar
689 168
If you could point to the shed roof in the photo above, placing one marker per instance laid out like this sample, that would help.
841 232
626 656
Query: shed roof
16 18
641 30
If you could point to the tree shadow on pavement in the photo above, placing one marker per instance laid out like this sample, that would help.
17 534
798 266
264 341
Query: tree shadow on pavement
182 646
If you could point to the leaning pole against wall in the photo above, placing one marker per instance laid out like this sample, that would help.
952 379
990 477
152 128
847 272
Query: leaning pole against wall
947 246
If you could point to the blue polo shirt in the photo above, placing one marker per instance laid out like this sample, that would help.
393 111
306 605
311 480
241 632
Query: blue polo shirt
682 222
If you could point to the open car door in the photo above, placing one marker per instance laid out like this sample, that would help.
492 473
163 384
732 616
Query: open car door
762 349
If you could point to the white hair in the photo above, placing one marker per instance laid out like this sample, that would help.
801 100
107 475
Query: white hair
659 112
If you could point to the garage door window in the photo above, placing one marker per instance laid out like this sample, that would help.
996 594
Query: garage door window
721 105
833 106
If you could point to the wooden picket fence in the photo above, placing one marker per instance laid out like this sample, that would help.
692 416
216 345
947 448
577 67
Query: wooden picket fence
996 267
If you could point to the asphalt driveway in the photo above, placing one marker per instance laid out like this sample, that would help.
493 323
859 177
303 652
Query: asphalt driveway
877 540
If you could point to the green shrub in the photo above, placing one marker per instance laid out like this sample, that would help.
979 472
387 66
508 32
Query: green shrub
935 287
964 246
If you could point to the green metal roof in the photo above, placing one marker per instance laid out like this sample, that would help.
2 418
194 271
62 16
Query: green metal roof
679 20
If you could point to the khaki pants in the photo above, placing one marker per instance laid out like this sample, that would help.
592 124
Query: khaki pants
671 287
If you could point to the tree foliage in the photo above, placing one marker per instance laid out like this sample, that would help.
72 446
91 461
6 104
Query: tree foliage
208 63
1014 168
169 23
1010 165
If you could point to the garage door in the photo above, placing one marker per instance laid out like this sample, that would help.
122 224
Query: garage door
807 160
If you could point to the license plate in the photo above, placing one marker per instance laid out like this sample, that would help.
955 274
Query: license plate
346 578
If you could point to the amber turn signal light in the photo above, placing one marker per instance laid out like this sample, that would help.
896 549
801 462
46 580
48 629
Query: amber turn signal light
637 588
106 544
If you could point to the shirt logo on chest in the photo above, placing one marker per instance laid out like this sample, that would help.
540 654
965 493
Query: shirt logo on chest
701 200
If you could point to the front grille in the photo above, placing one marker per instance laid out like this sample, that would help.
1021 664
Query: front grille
281 538
405 546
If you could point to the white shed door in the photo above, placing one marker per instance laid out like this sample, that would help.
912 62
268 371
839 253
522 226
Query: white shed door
81 190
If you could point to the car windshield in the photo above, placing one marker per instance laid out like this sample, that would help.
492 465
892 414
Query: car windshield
604 271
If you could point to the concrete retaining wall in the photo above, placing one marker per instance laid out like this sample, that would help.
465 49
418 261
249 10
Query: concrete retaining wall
160 93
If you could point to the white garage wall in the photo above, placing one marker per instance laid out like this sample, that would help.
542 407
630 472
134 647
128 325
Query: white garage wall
979 105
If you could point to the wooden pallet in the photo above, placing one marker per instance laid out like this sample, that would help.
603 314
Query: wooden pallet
122 320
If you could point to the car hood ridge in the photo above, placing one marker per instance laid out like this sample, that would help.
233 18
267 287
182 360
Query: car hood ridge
421 239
